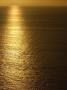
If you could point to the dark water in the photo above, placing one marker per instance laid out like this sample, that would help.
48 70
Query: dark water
33 48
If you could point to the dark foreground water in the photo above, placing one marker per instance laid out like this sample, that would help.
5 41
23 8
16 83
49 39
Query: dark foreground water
33 48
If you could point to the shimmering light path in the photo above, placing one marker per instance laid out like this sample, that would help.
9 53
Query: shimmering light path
15 43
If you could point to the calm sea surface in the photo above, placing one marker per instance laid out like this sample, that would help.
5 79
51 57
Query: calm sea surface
33 48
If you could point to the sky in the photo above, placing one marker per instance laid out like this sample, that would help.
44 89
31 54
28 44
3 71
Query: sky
34 2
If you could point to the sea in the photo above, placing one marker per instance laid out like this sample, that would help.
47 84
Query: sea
33 48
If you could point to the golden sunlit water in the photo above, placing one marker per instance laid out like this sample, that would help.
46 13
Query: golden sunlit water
14 42
33 48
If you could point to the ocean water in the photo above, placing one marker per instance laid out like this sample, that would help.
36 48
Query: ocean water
33 48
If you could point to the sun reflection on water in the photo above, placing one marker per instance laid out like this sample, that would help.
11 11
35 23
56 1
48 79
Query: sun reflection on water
14 42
